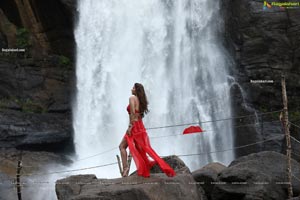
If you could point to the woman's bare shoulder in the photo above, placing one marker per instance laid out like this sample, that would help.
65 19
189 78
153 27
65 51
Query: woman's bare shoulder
133 97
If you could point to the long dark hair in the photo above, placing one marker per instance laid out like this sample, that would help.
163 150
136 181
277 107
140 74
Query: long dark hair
141 95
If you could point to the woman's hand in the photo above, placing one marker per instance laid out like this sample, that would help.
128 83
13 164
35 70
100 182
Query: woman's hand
128 132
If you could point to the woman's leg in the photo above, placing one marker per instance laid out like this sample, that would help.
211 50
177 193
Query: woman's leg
123 145
137 157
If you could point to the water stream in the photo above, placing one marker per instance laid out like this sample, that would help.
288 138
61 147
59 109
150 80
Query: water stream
173 48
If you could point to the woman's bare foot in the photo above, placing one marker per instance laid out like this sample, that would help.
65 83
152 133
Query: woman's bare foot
125 172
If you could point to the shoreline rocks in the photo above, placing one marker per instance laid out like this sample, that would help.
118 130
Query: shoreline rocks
133 187
259 176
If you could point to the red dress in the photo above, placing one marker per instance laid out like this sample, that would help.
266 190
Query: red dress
139 145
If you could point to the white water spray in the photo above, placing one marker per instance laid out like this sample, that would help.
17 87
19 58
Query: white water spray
172 48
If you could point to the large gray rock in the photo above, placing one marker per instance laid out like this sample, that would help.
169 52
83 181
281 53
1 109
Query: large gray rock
207 175
157 187
259 176
175 163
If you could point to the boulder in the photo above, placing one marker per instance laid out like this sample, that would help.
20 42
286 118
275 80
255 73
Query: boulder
158 186
175 162
258 176
207 175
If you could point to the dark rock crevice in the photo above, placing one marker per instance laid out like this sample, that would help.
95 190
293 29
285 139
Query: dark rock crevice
10 9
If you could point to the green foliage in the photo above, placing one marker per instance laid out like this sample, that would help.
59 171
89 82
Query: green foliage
270 116
27 106
64 61
293 112
294 115
263 109
23 38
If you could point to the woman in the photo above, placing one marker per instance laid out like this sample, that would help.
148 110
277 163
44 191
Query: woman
137 139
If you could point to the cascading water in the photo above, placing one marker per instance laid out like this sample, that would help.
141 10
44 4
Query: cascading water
172 48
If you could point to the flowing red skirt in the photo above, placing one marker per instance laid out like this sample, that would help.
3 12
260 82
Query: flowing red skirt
139 146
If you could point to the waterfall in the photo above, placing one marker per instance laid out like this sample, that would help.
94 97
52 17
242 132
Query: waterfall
173 48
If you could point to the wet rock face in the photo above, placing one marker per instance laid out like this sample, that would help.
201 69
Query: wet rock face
35 104
264 44
57 21
35 89
43 85
48 131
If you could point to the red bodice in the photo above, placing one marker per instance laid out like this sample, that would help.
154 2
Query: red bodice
128 109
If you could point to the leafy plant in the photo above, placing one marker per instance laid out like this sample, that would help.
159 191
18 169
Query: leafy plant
27 105
294 115
23 38
64 61
32 107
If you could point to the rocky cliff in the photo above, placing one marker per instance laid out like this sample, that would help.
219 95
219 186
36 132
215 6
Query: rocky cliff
264 44
36 83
